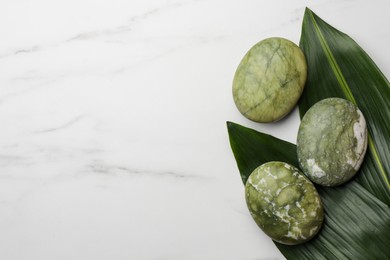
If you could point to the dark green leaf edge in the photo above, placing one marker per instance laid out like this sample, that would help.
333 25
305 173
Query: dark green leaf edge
248 160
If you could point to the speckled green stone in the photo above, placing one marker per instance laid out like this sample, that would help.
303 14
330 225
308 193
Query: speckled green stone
269 80
284 203
332 141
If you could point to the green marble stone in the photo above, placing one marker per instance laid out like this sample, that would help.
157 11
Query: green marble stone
269 80
284 203
332 141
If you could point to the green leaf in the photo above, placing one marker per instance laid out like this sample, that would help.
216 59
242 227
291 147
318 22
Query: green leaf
339 67
356 223
264 148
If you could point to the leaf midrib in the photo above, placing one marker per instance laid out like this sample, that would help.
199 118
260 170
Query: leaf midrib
347 92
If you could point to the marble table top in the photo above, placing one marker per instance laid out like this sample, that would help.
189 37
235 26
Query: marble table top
113 140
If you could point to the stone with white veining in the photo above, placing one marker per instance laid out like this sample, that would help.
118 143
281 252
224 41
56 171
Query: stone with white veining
332 141
284 203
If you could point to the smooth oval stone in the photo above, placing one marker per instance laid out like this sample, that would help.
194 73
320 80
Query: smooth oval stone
332 141
269 80
284 203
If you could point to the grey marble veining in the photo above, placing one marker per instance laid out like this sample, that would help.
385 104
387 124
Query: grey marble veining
113 141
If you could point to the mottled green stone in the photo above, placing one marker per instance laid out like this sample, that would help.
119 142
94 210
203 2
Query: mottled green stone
284 203
269 80
332 141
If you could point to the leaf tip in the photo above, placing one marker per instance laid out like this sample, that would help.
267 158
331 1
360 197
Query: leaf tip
308 10
230 125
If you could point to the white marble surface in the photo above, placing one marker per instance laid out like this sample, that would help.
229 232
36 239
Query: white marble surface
113 143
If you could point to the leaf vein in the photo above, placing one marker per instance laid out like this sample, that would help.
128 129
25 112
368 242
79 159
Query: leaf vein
347 92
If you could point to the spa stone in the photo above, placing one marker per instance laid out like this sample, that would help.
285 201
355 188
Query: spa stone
269 80
332 141
284 203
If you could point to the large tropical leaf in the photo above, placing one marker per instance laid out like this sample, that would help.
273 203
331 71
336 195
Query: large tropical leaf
339 67
356 223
